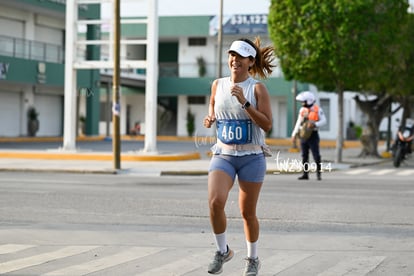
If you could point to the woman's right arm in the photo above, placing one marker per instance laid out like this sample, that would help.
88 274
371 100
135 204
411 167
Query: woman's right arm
211 117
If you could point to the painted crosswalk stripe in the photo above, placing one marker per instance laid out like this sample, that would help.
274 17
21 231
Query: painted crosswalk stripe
106 262
405 172
357 171
278 263
383 172
11 248
182 266
43 258
356 266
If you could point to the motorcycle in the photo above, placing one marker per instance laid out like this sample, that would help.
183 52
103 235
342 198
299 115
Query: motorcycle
403 143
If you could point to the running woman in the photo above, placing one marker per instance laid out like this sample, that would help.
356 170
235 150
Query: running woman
240 107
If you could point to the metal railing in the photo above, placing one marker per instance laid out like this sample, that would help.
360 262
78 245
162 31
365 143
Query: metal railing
171 69
31 49
41 51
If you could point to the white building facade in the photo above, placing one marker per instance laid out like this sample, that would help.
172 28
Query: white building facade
186 34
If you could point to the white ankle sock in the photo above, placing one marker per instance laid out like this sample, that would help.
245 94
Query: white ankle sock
251 249
221 242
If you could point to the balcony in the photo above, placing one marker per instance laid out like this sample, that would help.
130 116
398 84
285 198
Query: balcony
30 49
171 69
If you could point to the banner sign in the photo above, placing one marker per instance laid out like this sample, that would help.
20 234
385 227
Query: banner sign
246 24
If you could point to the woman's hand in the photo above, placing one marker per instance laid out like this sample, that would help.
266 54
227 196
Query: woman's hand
209 120
237 92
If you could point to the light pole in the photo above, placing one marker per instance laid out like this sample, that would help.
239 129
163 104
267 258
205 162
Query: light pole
220 39
115 89
294 92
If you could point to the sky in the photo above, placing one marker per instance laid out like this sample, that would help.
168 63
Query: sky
133 8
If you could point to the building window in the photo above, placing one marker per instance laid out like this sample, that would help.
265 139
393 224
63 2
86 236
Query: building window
197 41
325 105
196 100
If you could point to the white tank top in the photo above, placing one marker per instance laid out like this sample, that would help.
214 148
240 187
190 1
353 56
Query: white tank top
234 126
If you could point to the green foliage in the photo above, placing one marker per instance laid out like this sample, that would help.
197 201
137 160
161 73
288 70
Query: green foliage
338 45
190 122
32 114
201 66
32 122
400 74
358 131
82 119
333 43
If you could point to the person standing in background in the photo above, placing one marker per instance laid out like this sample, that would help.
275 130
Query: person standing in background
310 119
240 105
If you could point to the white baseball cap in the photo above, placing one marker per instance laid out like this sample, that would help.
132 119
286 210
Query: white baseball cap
242 48
307 97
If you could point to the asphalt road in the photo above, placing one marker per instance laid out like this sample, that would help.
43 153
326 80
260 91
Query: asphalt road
106 145
351 223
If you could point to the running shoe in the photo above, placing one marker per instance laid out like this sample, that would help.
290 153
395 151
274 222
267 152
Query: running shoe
252 267
216 266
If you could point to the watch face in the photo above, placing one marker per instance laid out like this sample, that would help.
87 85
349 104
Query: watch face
247 104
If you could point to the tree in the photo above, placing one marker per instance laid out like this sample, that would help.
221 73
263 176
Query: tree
32 121
375 109
190 122
391 82
333 44
403 90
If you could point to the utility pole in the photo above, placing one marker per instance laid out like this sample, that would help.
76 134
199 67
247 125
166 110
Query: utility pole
116 107
294 93
220 40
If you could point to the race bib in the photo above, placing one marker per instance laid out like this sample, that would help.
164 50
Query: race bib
234 131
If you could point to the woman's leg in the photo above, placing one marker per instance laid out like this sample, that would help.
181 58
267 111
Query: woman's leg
219 186
248 197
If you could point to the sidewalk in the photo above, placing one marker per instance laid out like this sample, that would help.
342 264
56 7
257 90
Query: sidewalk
169 162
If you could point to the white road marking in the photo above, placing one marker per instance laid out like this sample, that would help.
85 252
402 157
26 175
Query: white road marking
183 265
357 171
405 172
383 172
106 262
277 263
356 266
11 248
43 258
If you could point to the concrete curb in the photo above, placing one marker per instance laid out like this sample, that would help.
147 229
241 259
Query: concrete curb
270 141
58 155
179 172
25 158
50 170
62 155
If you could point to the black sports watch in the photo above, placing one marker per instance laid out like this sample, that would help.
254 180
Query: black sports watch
246 105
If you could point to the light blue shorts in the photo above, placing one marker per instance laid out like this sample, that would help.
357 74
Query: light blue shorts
251 168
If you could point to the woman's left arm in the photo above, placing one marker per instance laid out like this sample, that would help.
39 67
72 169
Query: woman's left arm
262 114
